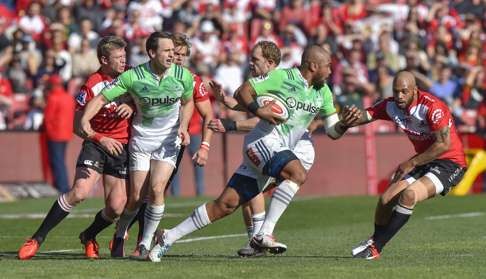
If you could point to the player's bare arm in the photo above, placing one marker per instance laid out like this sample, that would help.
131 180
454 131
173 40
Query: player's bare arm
92 108
350 117
206 112
245 95
441 145
225 125
186 113
112 146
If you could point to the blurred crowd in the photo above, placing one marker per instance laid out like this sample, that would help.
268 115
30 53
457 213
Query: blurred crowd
441 42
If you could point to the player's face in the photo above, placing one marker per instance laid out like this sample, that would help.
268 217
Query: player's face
403 93
164 55
258 64
180 55
323 71
117 60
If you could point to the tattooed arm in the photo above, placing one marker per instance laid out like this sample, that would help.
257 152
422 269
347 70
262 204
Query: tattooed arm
441 145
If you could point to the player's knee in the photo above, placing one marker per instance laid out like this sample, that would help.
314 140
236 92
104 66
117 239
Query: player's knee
298 176
77 195
225 207
158 190
408 197
117 205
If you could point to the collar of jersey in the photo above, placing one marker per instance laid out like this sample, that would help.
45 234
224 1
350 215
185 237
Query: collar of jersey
302 78
149 69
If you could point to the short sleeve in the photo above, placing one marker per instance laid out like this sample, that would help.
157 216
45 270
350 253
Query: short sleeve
264 83
84 95
378 110
327 107
118 86
438 116
200 92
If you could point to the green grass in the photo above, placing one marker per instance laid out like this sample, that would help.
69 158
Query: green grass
319 234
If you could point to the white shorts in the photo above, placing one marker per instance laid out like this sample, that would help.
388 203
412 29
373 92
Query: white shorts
258 153
143 150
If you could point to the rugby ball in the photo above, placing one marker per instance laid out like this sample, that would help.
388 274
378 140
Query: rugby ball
279 107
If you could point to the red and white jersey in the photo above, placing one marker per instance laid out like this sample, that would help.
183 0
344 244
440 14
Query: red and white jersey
106 122
199 94
427 115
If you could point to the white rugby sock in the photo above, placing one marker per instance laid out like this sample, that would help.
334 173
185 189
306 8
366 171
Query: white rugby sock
281 198
125 220
257 220
198 220
153 215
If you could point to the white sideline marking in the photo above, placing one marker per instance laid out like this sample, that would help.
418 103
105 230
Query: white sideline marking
450 216
72 215
210 237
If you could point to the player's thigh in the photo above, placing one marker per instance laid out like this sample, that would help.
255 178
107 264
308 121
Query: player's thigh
393 191
84 181
304 150
420 190
160 171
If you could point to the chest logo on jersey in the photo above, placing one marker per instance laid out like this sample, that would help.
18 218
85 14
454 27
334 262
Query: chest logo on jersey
159 101
292 103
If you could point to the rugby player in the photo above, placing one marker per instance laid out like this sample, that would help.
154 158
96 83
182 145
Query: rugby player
162 92
265 56
103 155
268 149
182 50
438 165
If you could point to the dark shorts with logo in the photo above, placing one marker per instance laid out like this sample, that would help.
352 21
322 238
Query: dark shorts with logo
93 156
448 173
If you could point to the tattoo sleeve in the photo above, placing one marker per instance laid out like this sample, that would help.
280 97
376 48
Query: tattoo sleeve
441 145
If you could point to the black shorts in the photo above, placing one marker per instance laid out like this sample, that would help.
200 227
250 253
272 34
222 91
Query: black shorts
442 172
93 156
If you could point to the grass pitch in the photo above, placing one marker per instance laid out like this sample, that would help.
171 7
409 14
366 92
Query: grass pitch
445 238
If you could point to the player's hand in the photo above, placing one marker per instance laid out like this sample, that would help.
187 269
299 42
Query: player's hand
86 129
216 126
266 113
124 111
402 170
201 157
217 91
351 116
184 135
112 146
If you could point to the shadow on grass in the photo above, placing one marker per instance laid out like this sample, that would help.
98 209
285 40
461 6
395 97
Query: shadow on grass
203 258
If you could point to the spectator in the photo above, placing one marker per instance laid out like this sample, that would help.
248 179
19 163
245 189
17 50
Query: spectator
58 124
6 100
85 60
85 32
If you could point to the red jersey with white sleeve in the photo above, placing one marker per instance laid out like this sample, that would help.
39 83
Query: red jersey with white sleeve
423 117
106 122
199 94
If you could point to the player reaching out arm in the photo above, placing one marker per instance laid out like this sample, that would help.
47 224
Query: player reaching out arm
438 164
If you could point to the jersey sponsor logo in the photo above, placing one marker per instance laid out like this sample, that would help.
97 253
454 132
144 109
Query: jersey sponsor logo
111 84
81 98
298 105
437 115
253 156
159 101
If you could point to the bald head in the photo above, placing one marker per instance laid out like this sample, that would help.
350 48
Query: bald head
316 65
314 54
404 89
405 77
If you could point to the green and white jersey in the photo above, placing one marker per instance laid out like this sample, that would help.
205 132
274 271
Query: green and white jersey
158 101
303 103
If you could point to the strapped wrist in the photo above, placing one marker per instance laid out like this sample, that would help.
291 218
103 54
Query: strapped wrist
228 124
96 137
205 145
253 107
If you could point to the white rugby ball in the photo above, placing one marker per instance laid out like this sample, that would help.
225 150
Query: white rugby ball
278 107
